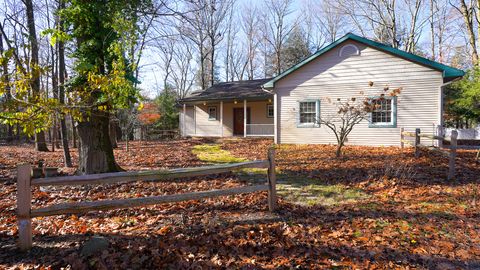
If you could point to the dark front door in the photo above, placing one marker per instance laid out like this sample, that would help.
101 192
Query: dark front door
238 120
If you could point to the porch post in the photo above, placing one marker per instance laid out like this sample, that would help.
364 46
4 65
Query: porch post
195 119
275 121
244 118
221 118
184 131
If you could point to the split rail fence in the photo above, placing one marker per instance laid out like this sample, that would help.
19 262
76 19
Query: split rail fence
449 151
25 182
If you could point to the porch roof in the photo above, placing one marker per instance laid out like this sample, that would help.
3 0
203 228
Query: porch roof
238 90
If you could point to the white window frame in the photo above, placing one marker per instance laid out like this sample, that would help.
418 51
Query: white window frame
393 114
210 118
316 122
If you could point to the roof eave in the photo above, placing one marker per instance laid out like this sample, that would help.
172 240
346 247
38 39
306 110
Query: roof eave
448 73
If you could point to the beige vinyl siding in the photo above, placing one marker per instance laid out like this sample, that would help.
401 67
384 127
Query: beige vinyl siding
198 124
189 121
330 77
204 126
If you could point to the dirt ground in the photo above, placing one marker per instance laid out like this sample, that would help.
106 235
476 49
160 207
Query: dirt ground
377 208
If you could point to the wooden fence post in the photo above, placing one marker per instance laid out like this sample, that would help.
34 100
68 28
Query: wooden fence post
272 181
441 134
417 142
453 154
24 205
402 137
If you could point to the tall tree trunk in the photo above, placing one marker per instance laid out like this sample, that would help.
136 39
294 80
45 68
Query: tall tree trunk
74 133
432 28
54 128
52 134
202 67
61 93
95 150
212 66
113 133
6 80
468 14
40 143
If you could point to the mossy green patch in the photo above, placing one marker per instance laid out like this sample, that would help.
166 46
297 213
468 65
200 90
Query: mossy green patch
312 192
214 154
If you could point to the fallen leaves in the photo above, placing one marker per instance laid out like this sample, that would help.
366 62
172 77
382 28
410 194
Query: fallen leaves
407 220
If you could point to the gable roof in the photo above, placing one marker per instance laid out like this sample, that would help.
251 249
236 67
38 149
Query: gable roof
250 89
449 73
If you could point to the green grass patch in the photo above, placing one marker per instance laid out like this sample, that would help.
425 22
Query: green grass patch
294 189
311 193
212 153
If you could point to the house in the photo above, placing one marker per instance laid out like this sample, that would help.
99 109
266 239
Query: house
286 107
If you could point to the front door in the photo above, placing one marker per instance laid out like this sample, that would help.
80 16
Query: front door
238 120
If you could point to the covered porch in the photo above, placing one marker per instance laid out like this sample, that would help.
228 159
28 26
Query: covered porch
242 109
246 118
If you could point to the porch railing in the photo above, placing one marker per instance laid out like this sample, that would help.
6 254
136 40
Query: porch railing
260 129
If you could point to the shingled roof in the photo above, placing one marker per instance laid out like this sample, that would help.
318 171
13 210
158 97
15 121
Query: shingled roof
251 89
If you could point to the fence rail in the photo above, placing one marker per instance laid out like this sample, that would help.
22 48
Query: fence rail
452 154
25 213
157 175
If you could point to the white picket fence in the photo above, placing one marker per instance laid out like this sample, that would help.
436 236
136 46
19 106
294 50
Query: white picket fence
464 134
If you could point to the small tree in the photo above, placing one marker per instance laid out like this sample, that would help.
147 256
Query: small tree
351 112
128 120
166 103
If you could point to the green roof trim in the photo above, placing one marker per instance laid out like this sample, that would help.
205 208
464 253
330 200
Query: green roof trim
448 72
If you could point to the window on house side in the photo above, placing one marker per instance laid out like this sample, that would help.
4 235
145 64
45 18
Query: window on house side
308 112
270 110
383 112
212 113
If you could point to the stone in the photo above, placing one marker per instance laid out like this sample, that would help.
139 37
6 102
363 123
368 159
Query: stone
96 244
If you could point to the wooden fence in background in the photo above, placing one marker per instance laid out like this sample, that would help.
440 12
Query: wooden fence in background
417 145
25 213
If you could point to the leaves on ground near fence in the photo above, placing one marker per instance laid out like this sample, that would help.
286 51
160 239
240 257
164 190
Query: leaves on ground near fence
378 208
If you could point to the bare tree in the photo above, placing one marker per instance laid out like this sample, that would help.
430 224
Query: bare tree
467 9
192 26
442 21
231 34
167 52
183 74
376 16
217 11
40 144
250 20
205 25
324 22
6 79
61 89
278 28
348 113
413 7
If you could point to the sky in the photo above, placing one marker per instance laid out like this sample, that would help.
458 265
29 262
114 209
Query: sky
151 72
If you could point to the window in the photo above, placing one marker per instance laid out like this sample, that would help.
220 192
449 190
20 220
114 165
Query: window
270 110
212 113
384 113
308 113
349 50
